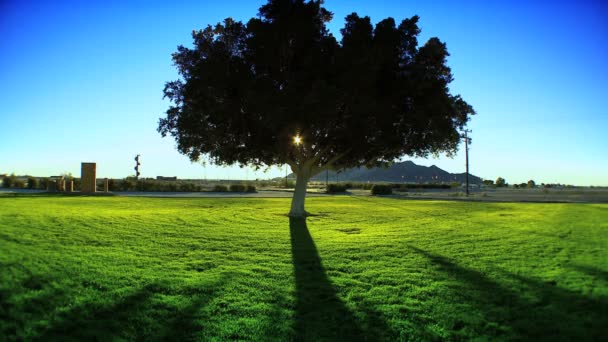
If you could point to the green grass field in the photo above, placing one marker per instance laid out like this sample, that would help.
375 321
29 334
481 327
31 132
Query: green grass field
363 268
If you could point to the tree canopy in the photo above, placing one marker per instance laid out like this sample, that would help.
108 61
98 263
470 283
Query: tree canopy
501 182
247 90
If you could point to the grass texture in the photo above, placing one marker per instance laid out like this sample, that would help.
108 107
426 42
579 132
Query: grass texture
363 268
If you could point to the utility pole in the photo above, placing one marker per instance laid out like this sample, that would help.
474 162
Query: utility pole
467 141
326 178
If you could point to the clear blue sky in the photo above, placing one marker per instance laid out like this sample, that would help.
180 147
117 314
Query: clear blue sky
82 81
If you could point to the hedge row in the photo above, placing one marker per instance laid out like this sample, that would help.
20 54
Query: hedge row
382 189
336 188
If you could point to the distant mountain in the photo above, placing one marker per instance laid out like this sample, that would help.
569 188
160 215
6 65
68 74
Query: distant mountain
403 172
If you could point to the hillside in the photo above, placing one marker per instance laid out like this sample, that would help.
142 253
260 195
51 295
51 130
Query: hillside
403 172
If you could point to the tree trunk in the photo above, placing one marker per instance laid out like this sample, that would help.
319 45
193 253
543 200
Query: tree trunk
299 195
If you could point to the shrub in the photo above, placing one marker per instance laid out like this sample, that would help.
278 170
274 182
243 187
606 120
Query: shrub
112 185
251 188
187 187
220 188
9 181
382 189
19 184
127 184
335 188
357 185
77 183
145 185
237 188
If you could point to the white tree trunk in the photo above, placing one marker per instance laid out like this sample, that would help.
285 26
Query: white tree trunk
299 195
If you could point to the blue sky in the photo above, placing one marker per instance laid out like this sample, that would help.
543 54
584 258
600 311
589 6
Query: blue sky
82 81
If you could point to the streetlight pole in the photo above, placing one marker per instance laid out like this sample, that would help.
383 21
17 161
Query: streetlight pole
467 141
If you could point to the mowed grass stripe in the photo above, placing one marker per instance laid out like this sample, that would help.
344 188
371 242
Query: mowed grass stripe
361 268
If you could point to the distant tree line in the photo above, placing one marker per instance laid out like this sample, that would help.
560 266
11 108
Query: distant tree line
531 184
154 185
26 182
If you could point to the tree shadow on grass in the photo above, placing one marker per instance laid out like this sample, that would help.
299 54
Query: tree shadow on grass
320 314
537 310
592 272
26 302
135 316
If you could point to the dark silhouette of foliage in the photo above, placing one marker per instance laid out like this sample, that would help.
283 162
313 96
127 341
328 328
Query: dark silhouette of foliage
237 187
382 189
500 182
9 181
336 188
32 183
43 183
220 188
247 90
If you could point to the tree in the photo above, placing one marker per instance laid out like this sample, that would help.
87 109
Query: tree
10 181
488 182
7 181
531 184
44 183
32 183
281 89
500 182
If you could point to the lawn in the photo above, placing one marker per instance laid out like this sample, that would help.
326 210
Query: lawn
363 268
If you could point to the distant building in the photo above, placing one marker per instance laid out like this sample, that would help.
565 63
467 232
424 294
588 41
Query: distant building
162 178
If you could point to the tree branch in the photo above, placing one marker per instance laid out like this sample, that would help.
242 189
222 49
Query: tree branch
330 162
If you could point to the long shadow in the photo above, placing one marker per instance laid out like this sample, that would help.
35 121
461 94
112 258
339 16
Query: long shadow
538 310
320 314
94 321
133 317
592 272
41 298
